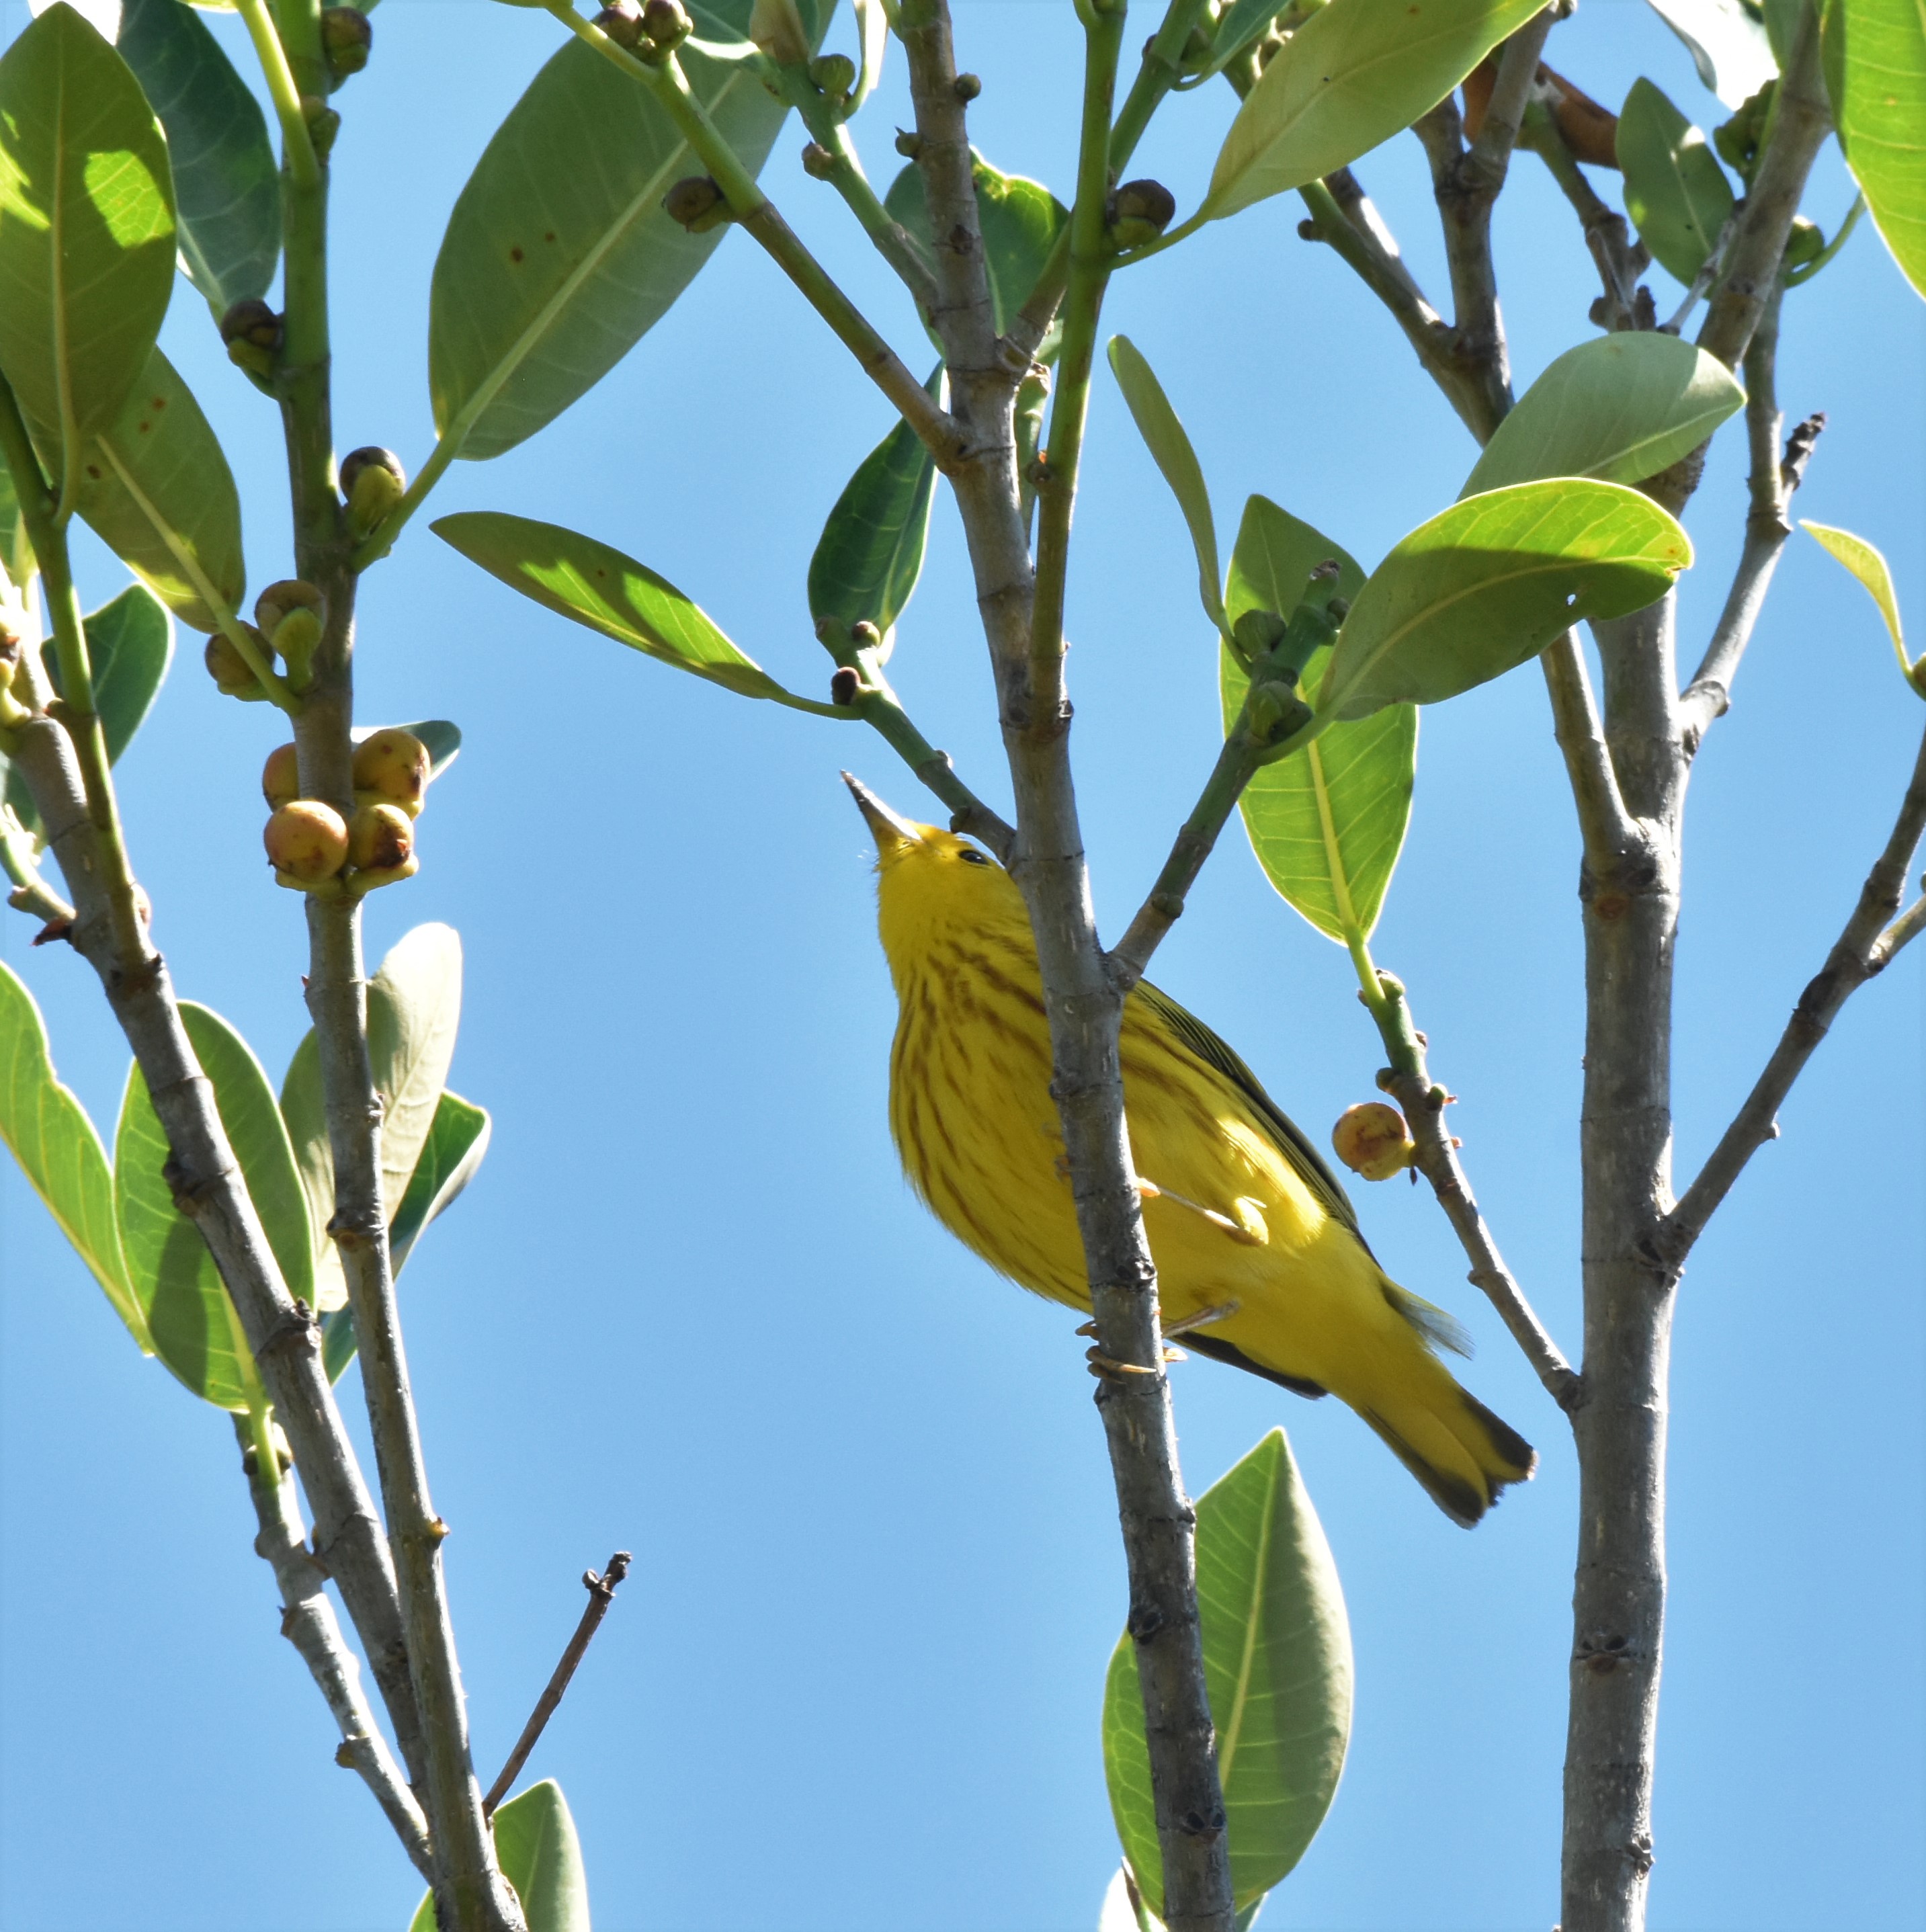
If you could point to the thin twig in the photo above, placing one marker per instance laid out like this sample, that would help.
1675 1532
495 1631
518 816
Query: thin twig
307 1622
1865 948
1768 526
601 1594
1620 259
1604 825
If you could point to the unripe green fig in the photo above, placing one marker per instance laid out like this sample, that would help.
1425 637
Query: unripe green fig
347 36
252 322
278 599
392 767
230 670
381 837
665 22
622 23
307 841
696 203
373 482
323 124
280 777
1140 211
295 638
834 73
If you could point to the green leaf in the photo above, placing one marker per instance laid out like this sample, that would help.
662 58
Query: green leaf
1240 24
1327 823
1020 220
594 585
558 257
157 491
1618 408
1728 42
16 553
447 1163
86 230
1277 1664
542 1858
1869 567
59 1151
871 553
1675 192
1492 580
1157 423
1355 74
195 1330
872 37
1875 52
414 1012
129 645
226 183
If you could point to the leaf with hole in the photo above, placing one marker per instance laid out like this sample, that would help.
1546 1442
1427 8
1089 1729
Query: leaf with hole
195 1330
559 256
156 488
1490 582
86 233
1020 220
59 1151
227 182
870 555
594 585
1328 822
542 1858
1163 433
1618 408
1871 568
1355 74
1675 192
1875 58
1277 1667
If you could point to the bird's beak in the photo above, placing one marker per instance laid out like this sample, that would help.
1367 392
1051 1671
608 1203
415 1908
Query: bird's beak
886 827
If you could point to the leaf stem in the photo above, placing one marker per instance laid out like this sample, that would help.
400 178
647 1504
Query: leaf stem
297 144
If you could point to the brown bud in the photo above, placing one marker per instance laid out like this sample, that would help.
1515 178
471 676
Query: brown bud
280 777
818 163
393 765
347 36
622 23
1371 1140
307 841
695 203
1139 212
968 87
291 593
380 837
323 124
230 670
665 22
373 481
252 322
843 686
864 635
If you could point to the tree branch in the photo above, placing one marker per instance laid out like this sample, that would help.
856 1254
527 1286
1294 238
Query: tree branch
601 1594
307 1622
1865 947
1619 258
1604 825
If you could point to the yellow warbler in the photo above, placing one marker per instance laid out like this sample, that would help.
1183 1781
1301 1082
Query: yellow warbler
1247 1226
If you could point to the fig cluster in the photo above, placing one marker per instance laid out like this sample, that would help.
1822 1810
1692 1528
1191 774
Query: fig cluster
313 848
288 617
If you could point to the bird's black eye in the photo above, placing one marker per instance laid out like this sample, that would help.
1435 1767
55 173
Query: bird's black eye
971 856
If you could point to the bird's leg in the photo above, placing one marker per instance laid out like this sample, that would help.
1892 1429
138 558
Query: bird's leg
1223 1311
1244 1224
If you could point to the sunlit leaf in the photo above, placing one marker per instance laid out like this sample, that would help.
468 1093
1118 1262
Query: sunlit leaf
1871 568
1163 433
1876 70
542 1858
1675 192
1728 43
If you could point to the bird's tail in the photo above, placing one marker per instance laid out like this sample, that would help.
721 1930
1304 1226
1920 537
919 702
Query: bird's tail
1462 1454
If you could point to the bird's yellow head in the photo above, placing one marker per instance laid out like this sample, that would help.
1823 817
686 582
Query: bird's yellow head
933 885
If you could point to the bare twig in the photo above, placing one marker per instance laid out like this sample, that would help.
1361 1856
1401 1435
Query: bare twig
1619 258
1768 526
601 1594
1863 948
1604 825
307 1622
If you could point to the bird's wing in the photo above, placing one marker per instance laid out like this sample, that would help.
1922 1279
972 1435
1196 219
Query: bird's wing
1284 1132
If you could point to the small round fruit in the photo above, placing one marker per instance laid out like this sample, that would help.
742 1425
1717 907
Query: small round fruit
394 764
280 777
278 599
1371 1140
380 837
307 840
228 668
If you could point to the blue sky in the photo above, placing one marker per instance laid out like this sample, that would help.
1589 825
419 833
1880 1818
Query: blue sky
689 1308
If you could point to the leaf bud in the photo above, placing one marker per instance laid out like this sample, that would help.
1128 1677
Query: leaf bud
1198 45
1805 244
230 670
967 87
373 481
909 143
1257 632
864 636
665 22
307 841
696 203
323 124
347 36
1370 1140
291 593
280 777
843 686
380 837
622 23
1139 212
818 163
835 74
393 767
